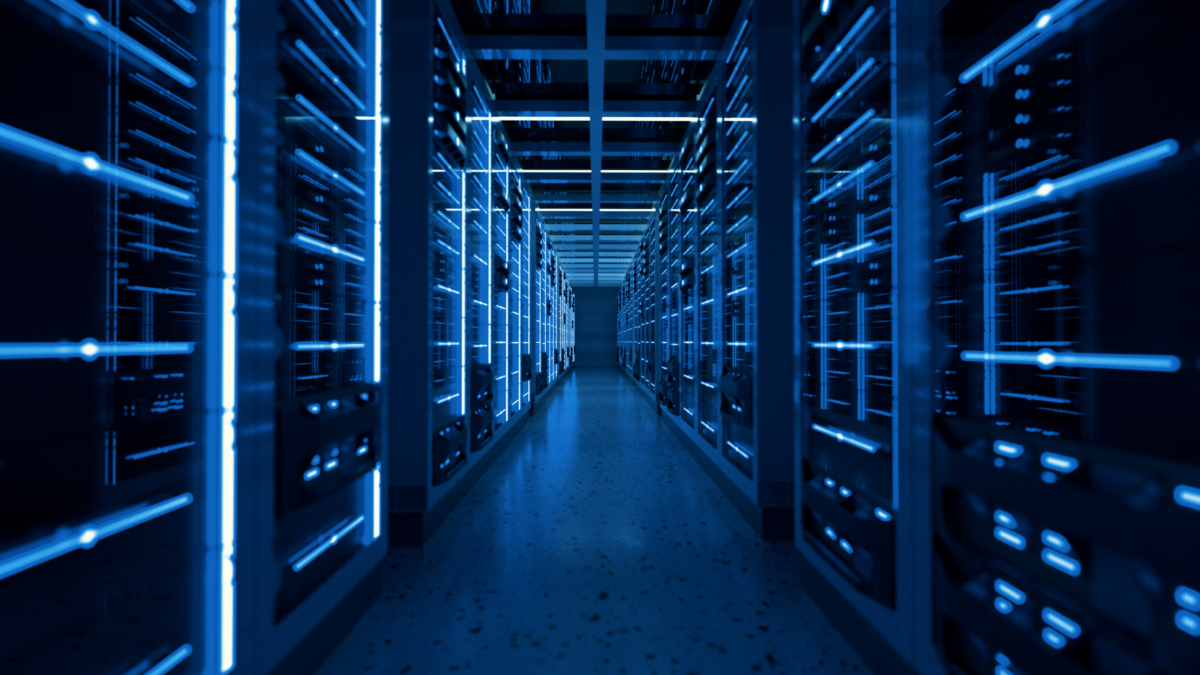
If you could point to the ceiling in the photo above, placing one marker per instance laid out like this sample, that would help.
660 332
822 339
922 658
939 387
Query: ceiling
595 177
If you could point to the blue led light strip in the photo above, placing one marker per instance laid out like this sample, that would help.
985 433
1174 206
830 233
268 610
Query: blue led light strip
1050 18
325 543
305 241
843 182
92 22
328 73
226 551
846 437
334 127
377 218
320 166
85 536
839 345
89 164
160 450
845 254
90 350
1133 162
1047 358
841 46
173 659
340 39
854 126
326 346
842 90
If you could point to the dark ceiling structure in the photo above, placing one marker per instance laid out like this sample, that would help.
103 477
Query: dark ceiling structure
595 97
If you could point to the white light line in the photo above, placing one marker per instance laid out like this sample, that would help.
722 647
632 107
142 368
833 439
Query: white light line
326 544
89 349
846 437
1047 359
1040 23
305 241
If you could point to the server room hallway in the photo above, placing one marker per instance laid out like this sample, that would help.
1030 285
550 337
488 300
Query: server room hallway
595 544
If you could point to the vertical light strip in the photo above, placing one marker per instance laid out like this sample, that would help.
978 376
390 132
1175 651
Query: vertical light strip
462 299
507 316
376 487
228 456
377 341
490 255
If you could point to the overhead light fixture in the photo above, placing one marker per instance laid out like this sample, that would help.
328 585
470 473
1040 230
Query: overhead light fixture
569 118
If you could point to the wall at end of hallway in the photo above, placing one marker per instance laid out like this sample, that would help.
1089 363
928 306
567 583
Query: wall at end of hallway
596 326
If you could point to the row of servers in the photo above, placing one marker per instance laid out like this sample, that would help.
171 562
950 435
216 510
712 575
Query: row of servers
202 246
992 353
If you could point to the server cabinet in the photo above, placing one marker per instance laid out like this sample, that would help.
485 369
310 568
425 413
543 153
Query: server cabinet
690 307
115 174
1066 503
475 340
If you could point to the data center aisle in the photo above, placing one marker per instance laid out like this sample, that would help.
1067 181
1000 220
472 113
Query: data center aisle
595 544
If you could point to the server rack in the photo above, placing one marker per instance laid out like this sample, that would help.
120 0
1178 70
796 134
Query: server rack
690 309
1064 389
480 330
113 150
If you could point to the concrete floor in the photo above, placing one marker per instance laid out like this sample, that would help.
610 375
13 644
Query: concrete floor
595 544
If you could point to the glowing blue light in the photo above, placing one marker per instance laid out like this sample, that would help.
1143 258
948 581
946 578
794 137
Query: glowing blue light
326 346
1053 638
882 515
1003 606
1001 670
85 536
1060 562
311 474
333 127
377 209
176 657
1008 449
846 546
1059 463
736 448
362 450
49 152
1009 537
1056 541
1003 659
90 350
1131 162
844 181
376 497
313 408
325 543
1047 359
840 345
1187 622
845 254
227 550
854 126
1016 595
93 22
305 241
1005 518
845 492
830 483
849 438
825 6
841 91
443 399
830 533
319 166
329 74
841 46
1040 23
1188 496
1061 623
1187 598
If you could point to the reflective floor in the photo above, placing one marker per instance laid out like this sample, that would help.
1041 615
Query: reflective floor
594 544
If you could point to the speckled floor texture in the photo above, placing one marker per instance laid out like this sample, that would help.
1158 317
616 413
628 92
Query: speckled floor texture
595 544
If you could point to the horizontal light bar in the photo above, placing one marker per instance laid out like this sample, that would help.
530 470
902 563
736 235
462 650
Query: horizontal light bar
325 346
844 181
90 350
320 166
560 118
1053 638
841 46
92 21
854 126
89 164
1009 591
305 241
85 536
1186 495
1007 449
839 345
1187 622
1009 537
1065 564
1059 463
1047 359
841 91
1132 162
326 543
847 437
589 210
1061 623
882 515
1022 36
1004 518
173 659
845 253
